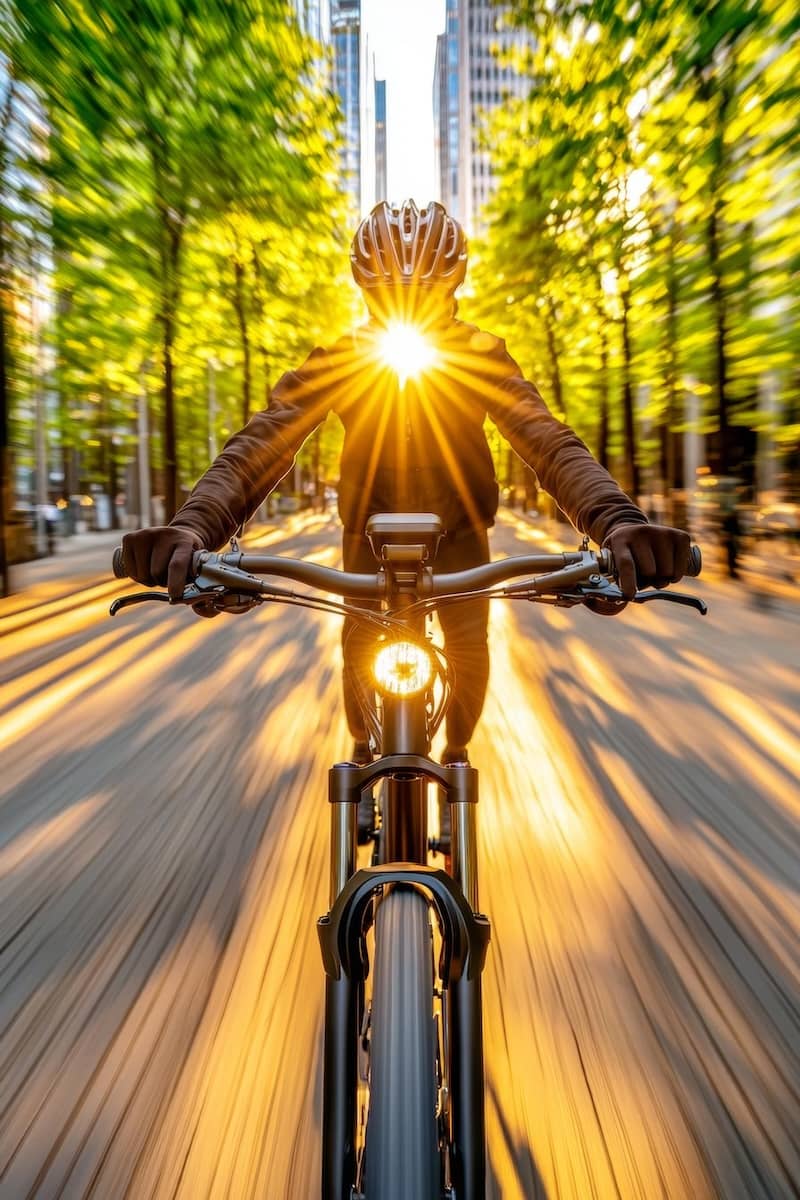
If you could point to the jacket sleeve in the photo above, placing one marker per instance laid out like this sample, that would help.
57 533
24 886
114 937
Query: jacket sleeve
565 466
254 460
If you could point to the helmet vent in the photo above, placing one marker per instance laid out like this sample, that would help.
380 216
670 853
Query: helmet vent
407 245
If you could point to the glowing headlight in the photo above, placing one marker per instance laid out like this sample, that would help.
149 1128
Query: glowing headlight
406 350
401 669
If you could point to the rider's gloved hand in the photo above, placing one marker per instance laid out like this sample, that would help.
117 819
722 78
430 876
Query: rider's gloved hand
648 556
161 555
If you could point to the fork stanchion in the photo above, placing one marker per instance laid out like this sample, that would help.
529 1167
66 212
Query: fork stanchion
464 849
343 799
344 837
462 796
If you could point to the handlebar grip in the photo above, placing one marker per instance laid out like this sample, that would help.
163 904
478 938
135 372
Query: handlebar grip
695 561
118 563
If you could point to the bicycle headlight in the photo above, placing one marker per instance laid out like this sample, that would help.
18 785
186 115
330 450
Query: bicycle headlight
402 669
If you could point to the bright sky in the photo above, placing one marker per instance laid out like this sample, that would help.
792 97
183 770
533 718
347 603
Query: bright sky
402 36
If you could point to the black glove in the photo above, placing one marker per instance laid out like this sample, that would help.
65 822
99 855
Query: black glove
648 556
161 555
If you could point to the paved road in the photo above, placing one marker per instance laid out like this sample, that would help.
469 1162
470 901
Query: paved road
163 842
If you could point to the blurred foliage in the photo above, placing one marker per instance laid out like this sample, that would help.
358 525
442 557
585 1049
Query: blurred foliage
187 212
643 241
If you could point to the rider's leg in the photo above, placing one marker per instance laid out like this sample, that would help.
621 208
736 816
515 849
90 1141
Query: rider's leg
464 626
357 644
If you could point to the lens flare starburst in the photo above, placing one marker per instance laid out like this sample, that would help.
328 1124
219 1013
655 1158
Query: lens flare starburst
405 348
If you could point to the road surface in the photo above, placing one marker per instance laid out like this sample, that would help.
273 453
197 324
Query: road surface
163 858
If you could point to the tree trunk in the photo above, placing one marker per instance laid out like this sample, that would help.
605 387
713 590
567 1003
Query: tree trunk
171 496
113 485
714 237
244 333
170 300
669 456
602 427
316 460
631 465
108 464
5 391
5 473
68 451
552 348
719 309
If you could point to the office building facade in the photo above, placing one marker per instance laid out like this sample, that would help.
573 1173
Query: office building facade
446 112
347 68
381 177
314 18
362 98
470 82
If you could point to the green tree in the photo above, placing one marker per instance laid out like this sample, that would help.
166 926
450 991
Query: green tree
167 117
658 154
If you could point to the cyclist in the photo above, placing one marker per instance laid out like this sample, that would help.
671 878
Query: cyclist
413 444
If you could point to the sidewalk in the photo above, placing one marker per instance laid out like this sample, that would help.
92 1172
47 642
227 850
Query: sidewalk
77 557
85 559
762 584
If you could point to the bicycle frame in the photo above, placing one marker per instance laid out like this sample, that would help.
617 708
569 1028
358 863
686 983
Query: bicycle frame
406 765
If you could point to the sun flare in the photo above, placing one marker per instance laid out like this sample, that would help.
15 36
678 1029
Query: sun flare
406 350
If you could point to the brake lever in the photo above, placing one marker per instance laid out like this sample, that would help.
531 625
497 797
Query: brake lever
674 598
611 592
198 594
192 594
136 598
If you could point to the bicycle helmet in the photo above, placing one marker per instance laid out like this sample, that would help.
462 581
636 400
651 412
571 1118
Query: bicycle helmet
409 246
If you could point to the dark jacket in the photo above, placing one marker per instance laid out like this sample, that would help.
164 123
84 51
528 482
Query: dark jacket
417 449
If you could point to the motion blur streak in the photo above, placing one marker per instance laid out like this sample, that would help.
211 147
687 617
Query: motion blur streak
39 840
745 712
36 710
163 834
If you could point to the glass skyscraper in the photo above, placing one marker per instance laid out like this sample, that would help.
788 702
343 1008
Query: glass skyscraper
381 184
469 82
346 41
362 98
314 17
446 114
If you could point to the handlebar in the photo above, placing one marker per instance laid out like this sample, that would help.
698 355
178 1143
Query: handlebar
359 586
230 580
326 579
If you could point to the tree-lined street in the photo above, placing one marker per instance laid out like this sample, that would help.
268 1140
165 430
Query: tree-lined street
163 841
179 186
